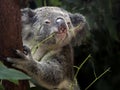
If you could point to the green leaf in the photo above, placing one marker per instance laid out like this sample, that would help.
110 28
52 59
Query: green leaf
11 74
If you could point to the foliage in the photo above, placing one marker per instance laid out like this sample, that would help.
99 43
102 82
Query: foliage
11 74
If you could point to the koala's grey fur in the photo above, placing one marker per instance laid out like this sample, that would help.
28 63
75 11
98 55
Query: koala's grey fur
52 63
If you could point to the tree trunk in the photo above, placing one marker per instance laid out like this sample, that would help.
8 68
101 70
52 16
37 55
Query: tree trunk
10 36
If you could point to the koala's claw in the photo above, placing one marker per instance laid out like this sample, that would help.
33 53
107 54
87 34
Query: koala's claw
17 63
21 54
26 50
8 59
11 60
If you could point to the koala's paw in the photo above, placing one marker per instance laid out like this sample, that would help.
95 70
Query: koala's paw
23 58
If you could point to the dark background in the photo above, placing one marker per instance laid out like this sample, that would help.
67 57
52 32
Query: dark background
103 42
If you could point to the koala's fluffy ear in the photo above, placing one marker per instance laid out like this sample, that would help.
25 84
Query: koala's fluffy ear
27 15
76 19
80 28
27 20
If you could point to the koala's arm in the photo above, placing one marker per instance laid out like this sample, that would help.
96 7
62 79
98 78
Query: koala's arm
48 73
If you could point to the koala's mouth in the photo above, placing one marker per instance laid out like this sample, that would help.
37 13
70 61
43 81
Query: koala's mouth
62 32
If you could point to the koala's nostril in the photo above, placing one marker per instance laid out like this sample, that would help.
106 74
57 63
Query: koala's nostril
47 21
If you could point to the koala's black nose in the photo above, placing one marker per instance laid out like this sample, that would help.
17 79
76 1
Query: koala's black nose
60 21
61 25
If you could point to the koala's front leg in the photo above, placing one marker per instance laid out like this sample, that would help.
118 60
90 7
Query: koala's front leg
48 74
25 59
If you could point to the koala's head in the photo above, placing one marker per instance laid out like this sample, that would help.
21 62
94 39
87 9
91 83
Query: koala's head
52 26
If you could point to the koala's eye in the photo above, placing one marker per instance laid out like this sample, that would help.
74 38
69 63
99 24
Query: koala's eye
47 21
60 21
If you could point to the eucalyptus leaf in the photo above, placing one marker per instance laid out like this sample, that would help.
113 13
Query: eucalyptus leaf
11 74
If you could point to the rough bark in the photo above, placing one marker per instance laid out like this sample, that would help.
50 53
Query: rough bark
10 36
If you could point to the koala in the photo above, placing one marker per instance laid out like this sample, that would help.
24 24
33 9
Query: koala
51 32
